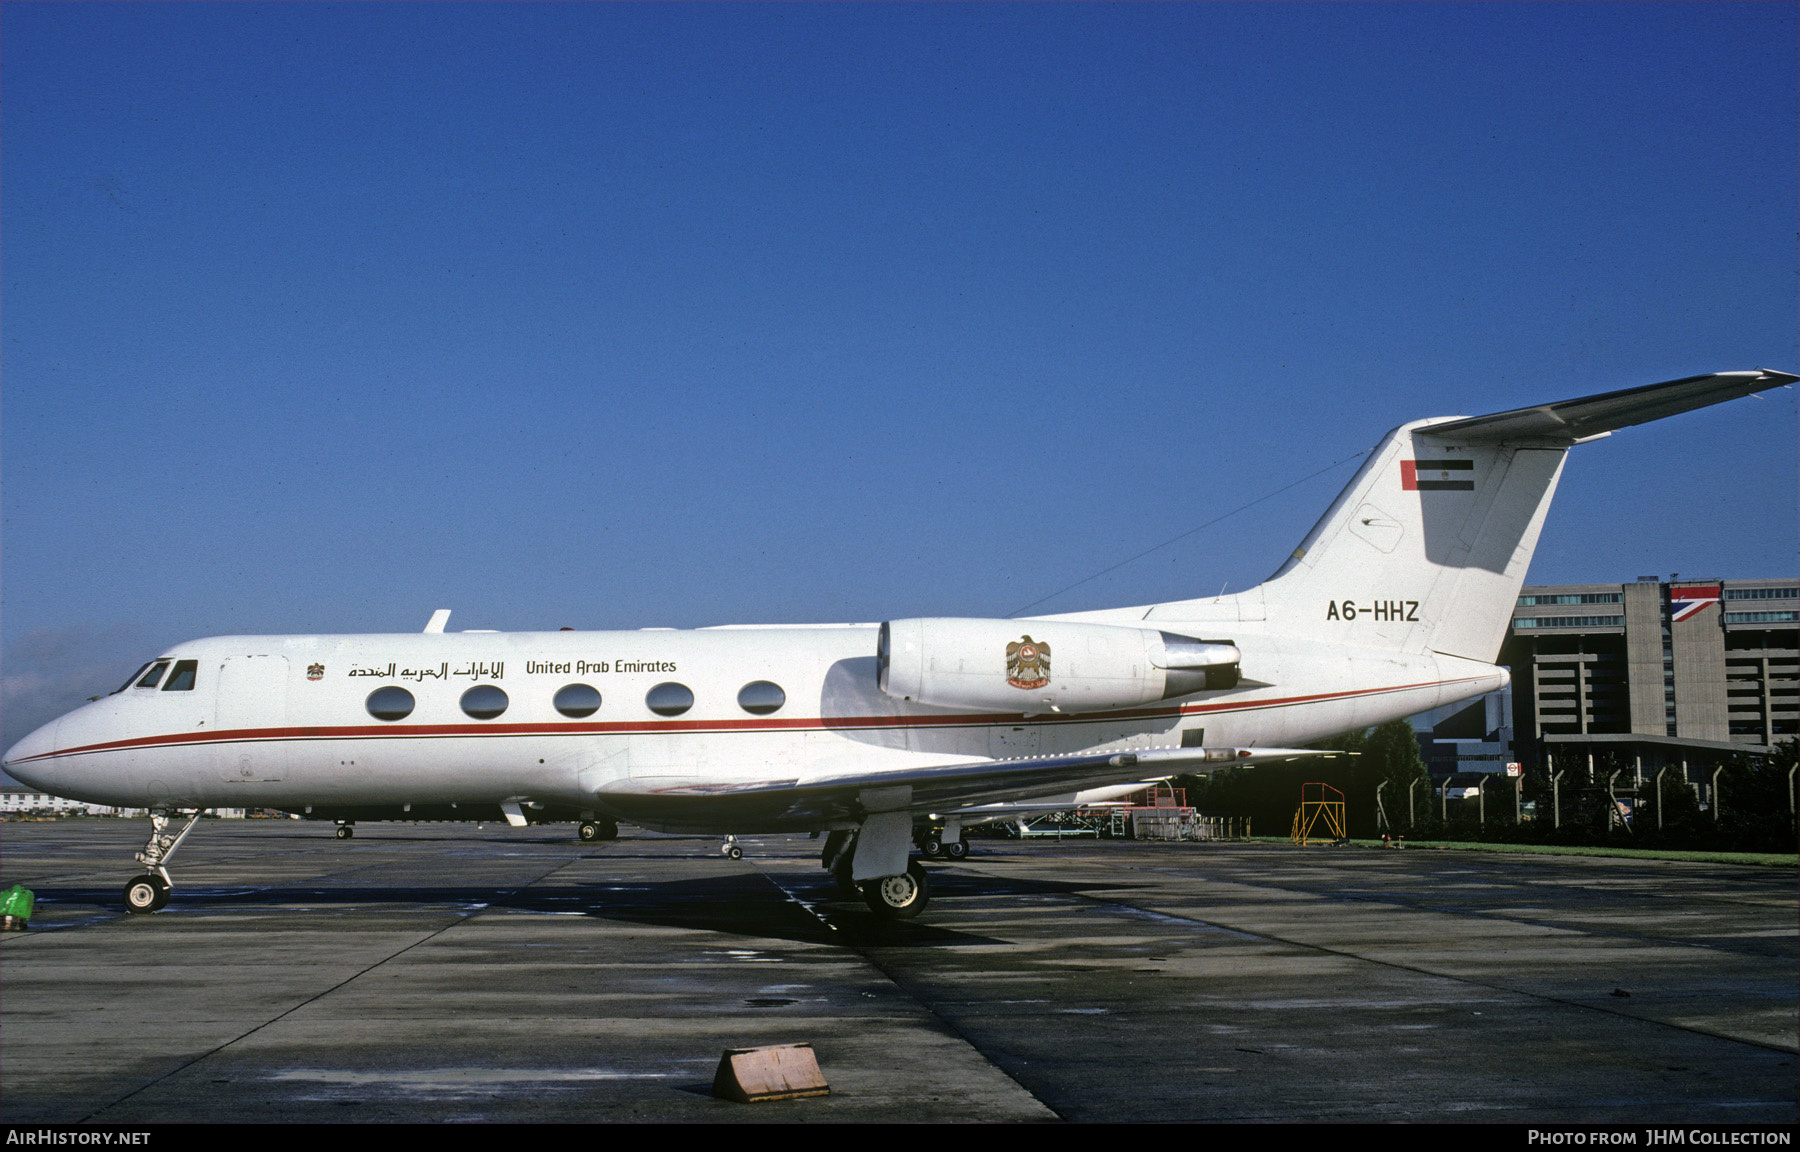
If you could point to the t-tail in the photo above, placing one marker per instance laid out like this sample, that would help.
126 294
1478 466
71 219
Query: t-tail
1426 548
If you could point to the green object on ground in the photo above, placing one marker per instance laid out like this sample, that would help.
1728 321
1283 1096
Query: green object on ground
16 901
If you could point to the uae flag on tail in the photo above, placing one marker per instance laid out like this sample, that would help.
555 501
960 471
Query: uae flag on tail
1688 600
1437 475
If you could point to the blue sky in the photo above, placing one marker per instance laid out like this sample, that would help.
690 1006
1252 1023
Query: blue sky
319 317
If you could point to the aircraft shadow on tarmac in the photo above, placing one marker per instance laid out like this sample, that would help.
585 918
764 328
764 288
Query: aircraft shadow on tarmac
744 905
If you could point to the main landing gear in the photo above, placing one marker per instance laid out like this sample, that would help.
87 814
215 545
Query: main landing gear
899 897
939 843
150 892
835 857
346 829
589 831
731 848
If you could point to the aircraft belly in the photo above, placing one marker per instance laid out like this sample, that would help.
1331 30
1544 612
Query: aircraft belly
413 771
721 814
755 786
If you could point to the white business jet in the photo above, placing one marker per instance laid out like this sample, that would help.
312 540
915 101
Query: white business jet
877 734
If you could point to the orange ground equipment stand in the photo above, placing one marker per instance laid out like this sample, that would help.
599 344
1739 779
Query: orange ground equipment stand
1320 819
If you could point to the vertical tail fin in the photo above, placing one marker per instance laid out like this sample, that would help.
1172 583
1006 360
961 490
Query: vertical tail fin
1426 548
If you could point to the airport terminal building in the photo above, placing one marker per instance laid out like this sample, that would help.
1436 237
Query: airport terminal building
1664 669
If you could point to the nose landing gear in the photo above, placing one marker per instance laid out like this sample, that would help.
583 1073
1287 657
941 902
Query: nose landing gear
146 893
150 892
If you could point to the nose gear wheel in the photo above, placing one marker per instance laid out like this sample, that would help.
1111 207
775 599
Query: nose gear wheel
150 891
146 893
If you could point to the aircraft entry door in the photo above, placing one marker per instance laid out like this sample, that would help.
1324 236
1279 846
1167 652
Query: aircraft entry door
252 701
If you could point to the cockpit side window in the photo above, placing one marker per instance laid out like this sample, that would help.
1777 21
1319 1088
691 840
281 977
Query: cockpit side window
132 679
182 679
149 679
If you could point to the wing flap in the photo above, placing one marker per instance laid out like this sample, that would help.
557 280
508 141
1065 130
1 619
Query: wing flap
812 803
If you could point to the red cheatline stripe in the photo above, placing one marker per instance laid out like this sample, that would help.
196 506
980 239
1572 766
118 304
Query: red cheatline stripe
438 731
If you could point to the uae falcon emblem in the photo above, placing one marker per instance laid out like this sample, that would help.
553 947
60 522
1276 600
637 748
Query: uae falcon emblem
1027 663
315 671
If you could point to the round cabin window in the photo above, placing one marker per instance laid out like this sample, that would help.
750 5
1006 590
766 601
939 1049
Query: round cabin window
670 699
484 701
761 697
577 700
390 703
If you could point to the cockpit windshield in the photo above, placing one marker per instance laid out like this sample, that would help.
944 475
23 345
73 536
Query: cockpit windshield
152 673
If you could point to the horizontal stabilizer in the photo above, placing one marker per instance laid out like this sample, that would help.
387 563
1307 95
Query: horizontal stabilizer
1570 421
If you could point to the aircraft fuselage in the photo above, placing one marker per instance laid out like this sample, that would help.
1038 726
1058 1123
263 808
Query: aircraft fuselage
286 721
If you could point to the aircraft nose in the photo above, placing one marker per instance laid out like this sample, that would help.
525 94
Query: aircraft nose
28 761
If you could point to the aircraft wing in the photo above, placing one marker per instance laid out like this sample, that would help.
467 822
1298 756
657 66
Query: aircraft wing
1569 421
814 802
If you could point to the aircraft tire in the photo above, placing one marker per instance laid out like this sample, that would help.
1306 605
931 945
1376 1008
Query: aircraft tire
846 884
931 846
145 894
587 831
899 897
957 850
344 832
735 852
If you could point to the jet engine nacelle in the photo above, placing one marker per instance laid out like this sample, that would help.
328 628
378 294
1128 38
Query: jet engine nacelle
1036 666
